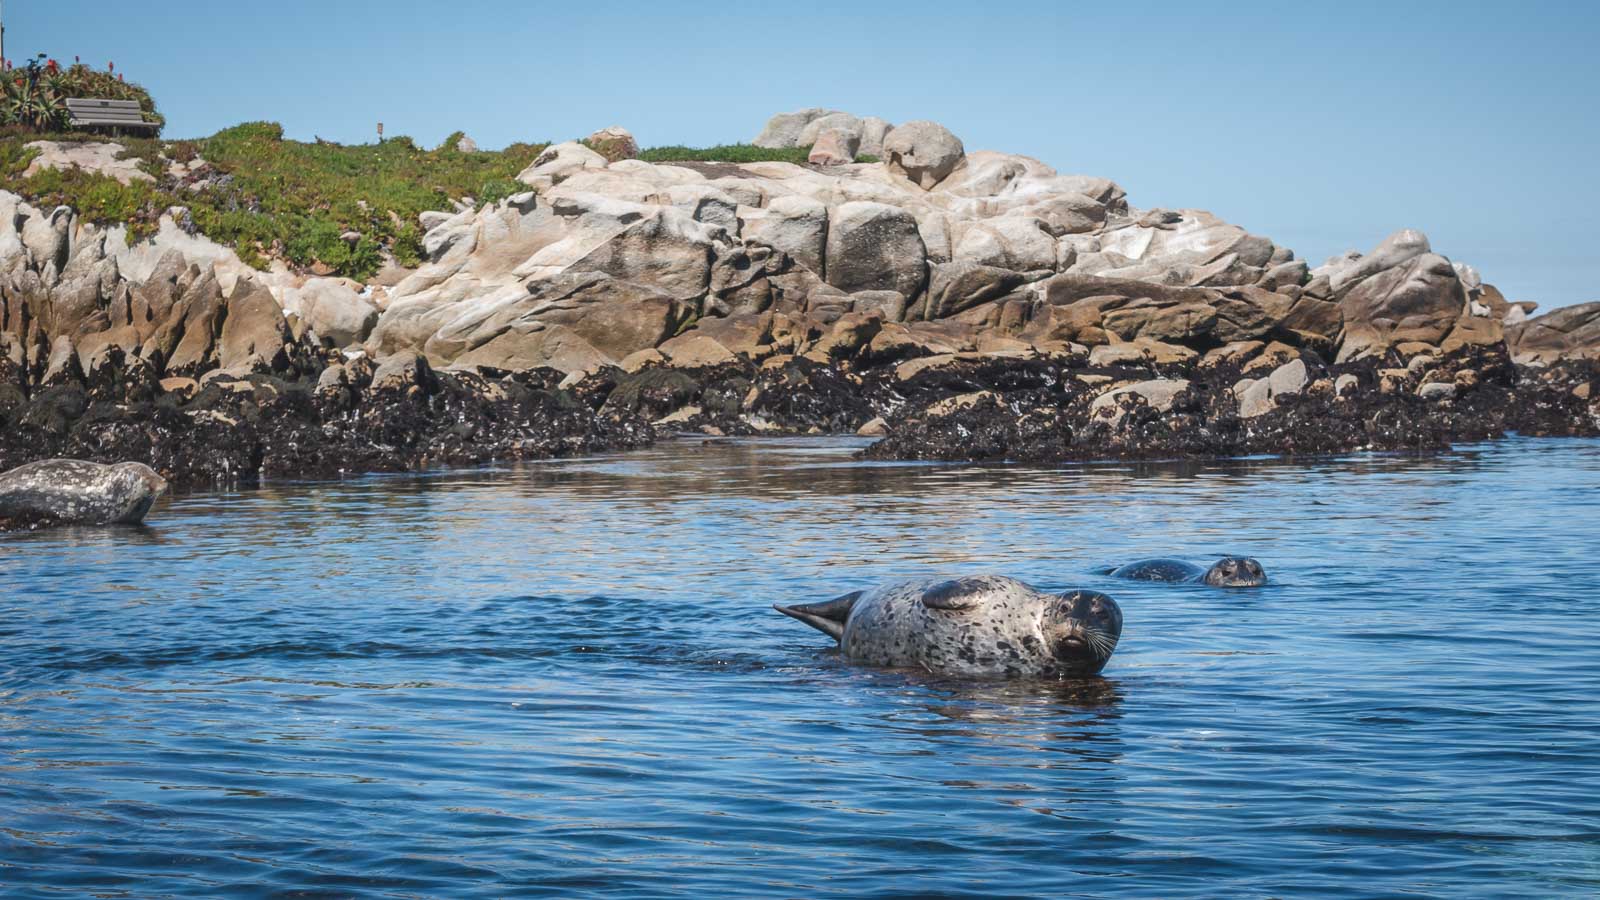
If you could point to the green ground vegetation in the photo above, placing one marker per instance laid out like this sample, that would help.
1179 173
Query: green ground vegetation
268 197
318 205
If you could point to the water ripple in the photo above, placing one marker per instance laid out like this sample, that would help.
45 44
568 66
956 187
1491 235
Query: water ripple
565 678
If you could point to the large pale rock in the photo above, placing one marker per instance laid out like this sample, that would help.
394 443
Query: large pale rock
47 238
254 327
873 131
198 327
1068 213
665 248
570 322
1159 394
847 125
834 147
1419 299
784 129
875 247
794 224
108 159
614 143
559 162
958 286
332 309
1396 249
1016 242
705 203
925 153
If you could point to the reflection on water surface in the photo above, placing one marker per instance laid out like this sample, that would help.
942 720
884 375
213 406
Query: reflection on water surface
566 678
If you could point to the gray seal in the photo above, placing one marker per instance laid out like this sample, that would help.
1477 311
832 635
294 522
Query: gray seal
1229 571
985 626
75 492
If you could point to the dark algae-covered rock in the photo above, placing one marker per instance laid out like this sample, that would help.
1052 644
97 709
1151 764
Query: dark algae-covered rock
238 428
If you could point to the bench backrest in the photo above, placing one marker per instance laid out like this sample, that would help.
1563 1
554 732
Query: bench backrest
114 113
96 106
105 110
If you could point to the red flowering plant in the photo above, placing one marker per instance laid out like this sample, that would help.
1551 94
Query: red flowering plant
36 97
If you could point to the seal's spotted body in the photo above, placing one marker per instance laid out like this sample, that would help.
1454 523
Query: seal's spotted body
981 626
1230 571
74 492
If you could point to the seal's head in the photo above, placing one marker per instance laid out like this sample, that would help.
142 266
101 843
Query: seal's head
1082 629
134 488
1235 571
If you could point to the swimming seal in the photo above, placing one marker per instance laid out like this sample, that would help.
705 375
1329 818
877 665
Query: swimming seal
74 492
985 626
1229 571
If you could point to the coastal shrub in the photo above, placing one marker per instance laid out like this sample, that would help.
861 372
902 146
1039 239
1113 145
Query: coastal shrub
729 153
100 198
35 96
269 197
15 157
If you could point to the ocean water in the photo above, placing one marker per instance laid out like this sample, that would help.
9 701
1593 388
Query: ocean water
565 678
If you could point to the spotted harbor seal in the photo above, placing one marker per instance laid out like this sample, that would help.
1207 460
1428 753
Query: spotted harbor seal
1229 571
980 626
74 492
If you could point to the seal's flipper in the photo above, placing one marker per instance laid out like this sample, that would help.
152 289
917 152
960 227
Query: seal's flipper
962 593
827 617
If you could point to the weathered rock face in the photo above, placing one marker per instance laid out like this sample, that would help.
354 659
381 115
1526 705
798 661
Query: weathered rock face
254 330
614 143
784 129
570 323
925 153
1417 300
1572 332
875 247
795 225
809 127
835 147
334 311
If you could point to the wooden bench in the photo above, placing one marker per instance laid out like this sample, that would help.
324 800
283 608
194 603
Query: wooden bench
122 115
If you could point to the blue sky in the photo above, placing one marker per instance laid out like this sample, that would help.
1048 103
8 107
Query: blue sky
1324 126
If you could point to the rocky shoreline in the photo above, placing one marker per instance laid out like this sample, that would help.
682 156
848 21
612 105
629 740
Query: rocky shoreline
354 416
957 306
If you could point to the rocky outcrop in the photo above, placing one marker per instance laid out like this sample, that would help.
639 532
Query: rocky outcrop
334 310
924 153
875 247
835 147
1572 332
819 296
614 143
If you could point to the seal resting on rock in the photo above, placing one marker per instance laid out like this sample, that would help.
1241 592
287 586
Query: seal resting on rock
981 626
1229 571
74 492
